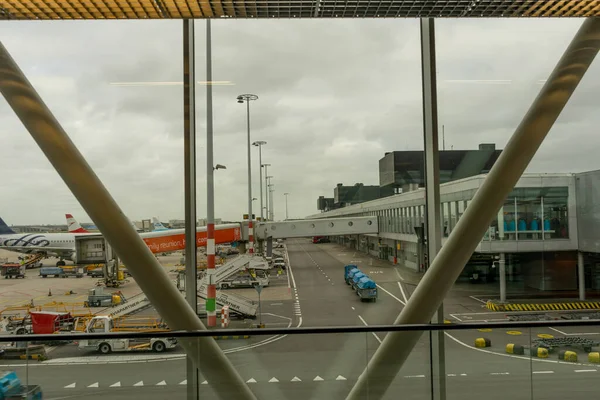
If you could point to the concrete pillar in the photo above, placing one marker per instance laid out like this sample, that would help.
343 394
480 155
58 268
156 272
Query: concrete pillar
502 277
581 275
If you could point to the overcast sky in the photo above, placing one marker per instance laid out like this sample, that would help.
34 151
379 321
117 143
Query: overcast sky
334 96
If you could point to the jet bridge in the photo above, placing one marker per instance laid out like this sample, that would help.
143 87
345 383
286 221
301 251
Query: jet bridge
316 227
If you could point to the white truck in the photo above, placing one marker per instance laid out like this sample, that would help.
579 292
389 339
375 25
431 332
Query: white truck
105 324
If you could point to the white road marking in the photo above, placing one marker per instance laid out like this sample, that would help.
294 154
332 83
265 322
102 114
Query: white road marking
373 333
479 300
415 376
353 308
451 374
586 370
403 294
276 304
71 386
528 359
204 383
118 384
399 276
184 382
542 372
318 379
273 380
574 334
391 295
251 380
161 383
140 383
296 379
500 373
456 318
93 385
340 378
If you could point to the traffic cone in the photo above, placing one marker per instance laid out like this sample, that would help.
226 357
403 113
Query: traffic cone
49 292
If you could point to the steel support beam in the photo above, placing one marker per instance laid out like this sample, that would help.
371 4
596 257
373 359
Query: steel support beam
502 276
211 288
432 194
116 228
581 275
447 266
189 167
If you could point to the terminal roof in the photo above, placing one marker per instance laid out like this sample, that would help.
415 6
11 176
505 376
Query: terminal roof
179 9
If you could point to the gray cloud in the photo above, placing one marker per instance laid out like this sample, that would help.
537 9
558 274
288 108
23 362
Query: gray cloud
334 96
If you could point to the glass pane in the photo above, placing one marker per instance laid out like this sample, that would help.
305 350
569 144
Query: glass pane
488 364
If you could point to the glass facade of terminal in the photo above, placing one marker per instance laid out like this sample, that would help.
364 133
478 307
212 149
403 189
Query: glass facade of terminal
539 213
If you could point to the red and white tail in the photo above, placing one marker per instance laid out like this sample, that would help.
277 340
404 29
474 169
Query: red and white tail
73 226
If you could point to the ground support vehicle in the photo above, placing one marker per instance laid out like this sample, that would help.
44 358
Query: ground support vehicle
56 272
366 289
105 324
364 286
349 271
98 298
244 281
11 270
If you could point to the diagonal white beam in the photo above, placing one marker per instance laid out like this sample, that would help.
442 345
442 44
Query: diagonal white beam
446 267
115 227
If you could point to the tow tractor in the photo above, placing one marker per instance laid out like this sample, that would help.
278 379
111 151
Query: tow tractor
12 389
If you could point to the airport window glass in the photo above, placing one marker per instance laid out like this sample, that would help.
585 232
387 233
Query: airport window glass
461 209
555 219
533 214
506 221
528 213
453 211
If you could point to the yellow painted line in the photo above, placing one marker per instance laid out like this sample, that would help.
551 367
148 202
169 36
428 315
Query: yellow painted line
545 336
514 333
484 330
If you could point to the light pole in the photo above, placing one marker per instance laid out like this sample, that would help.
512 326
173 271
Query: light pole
286 206
259 144
266 191
241 99
271 202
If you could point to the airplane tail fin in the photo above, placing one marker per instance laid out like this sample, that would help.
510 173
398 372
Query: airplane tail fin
73 225
5 229
157 225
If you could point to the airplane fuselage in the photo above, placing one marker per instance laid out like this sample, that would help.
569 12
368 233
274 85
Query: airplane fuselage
63 244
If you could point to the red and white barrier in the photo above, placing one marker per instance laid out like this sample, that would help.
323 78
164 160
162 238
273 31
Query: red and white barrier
225 317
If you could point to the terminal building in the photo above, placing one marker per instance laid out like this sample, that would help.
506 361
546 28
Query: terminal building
547 232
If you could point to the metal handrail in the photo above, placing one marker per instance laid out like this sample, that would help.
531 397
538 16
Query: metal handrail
304 330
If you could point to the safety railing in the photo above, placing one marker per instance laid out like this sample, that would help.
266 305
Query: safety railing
499 360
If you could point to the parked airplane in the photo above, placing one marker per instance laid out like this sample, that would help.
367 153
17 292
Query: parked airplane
74 226
157 226
62 245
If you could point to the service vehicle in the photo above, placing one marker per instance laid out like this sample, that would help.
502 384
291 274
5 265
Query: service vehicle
12 270
105 324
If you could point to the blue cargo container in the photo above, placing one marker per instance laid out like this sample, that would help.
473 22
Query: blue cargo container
356 278
366 289
349 271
